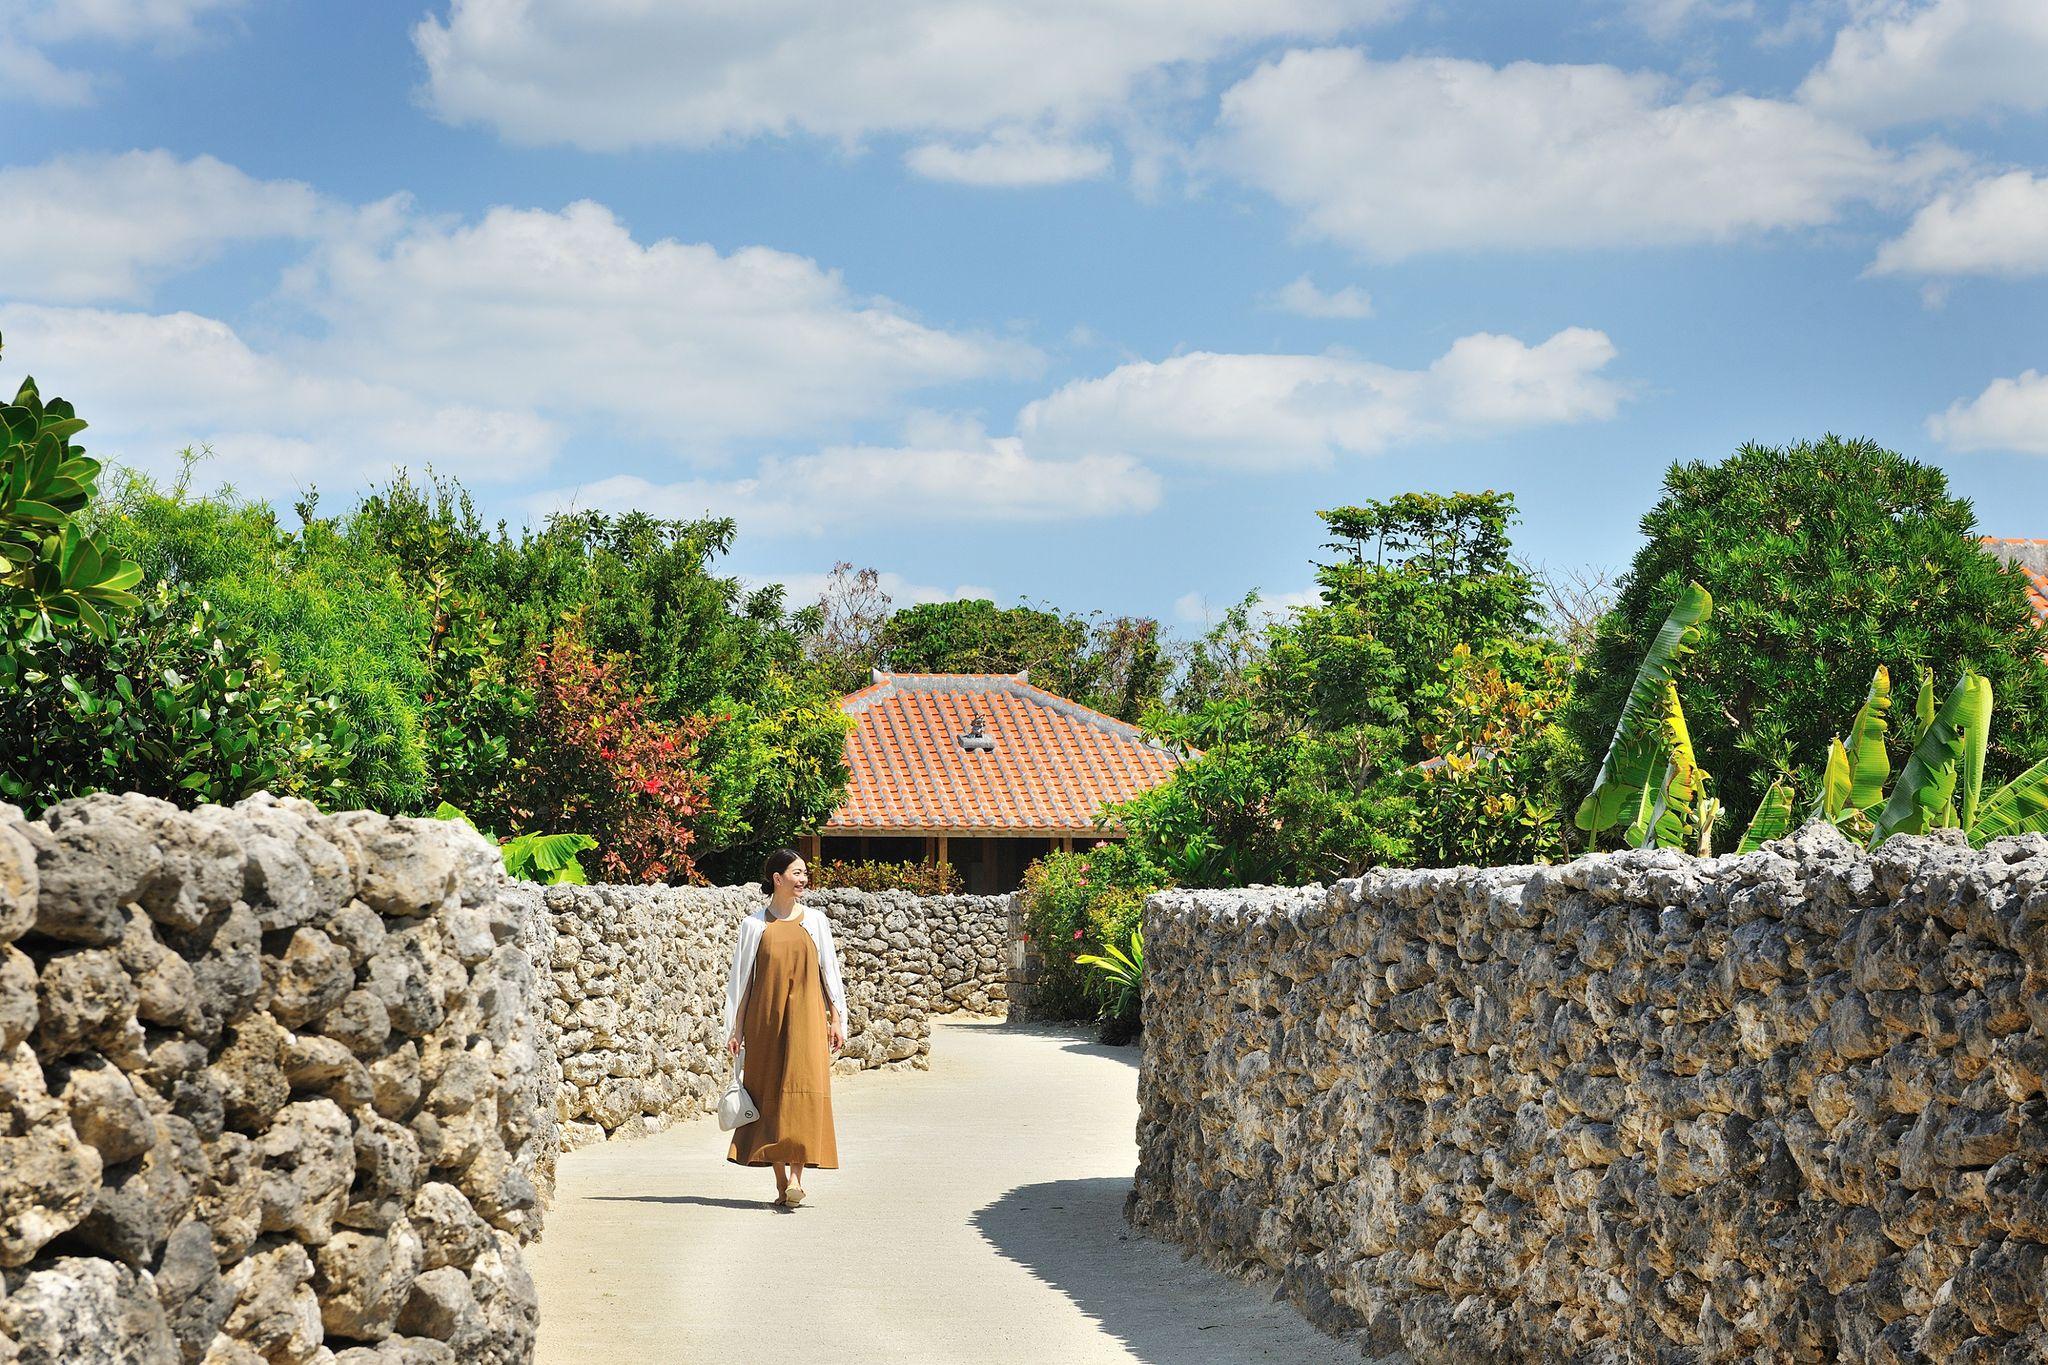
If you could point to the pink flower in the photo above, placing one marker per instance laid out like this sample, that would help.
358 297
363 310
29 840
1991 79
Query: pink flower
1077 936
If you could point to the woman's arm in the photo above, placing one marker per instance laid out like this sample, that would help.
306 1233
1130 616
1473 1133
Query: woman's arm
737 980
828 967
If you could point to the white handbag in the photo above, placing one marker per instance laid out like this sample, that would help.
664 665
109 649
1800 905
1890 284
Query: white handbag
736 1106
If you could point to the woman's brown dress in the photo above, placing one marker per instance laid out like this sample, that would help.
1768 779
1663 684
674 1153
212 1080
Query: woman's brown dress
788 1067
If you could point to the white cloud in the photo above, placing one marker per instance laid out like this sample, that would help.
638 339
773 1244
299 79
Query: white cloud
1291 411
802 589
1301 297
1396 158
106 228
1010 157
151 383
1904 63
568 311
624 73
969 477
471 344
1195 609
1663 19
27 71
26 74
1997 226
2011 414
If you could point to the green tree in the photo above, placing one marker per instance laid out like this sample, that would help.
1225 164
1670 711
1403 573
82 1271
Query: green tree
1309 737
1490 791
1826 559
1428 572
174 702
336 616
473 707
1281 783
1115 664
711 655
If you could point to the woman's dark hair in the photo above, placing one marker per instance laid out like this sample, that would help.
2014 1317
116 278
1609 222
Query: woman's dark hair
778 861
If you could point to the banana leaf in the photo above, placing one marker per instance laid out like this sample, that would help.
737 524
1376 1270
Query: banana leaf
1636 752
1677 812
1773 817
1870 767
1976 740
1837 782
2019 807
1926 789
1642 826
1923 706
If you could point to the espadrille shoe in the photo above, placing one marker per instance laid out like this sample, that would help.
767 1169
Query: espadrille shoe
793 1196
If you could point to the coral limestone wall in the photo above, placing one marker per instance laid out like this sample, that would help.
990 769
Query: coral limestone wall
271 1089
278 1086
1641 1107
637 975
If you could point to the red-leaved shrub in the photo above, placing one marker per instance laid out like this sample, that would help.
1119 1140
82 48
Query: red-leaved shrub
601 764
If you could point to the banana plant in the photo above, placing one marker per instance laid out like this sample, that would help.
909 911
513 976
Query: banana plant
1853 780
1773 819
1649 775
52 572
1941 786
549 858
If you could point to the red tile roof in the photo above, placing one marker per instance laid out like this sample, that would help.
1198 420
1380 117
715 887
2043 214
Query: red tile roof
1053 765
2031 557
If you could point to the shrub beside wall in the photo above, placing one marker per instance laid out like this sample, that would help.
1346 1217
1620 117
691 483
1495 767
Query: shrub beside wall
1784 1106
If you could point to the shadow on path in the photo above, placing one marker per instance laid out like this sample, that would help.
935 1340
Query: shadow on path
705 1201
1165 1310
1079 1039
1128 1055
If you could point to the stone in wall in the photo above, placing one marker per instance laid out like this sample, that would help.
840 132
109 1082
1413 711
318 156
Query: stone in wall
271 1082
636 979
1640 1107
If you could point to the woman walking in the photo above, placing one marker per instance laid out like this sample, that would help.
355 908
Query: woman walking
786 1005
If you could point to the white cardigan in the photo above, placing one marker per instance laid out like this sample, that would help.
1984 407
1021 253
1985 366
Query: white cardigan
749 946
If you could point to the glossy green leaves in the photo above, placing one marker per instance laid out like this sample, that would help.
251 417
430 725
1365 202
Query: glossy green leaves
52 573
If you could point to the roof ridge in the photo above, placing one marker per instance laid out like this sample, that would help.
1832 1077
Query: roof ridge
1118 727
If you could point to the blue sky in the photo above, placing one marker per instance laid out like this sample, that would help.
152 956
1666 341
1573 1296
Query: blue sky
1091 302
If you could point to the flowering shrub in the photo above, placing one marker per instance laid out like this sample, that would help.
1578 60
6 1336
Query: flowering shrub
923 879
600 761
1074 905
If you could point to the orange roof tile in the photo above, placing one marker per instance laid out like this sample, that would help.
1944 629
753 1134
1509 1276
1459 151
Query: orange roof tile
2031 558
1053 765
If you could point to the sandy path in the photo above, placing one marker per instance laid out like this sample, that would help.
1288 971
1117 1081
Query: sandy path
977 1217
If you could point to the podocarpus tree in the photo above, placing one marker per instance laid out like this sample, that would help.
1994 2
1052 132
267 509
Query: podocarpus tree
1825 560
